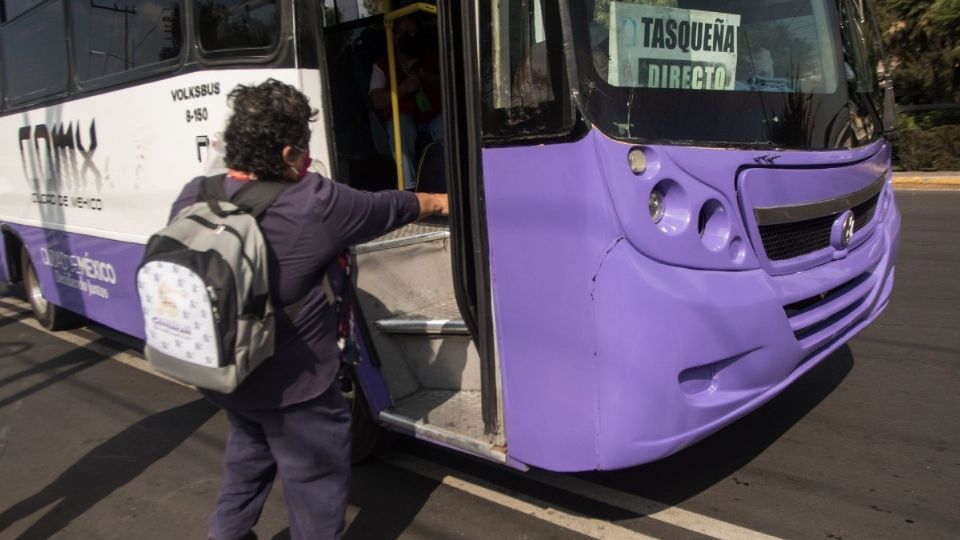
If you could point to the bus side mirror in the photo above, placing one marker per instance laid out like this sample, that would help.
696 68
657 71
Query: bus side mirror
889 109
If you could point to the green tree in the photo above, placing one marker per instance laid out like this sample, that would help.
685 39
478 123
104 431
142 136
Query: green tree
922 38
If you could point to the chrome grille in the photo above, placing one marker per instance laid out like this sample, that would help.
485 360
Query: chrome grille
789 240
863 212
792 231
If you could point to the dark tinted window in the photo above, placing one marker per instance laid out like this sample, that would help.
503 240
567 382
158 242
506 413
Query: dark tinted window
35 53
113 37
238 24
524 85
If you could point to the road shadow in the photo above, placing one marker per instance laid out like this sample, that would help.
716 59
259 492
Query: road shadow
669 481
389 499
693 470
14 319
13 348
108 467
63 366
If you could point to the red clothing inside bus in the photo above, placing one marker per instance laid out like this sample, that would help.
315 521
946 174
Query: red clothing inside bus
422 105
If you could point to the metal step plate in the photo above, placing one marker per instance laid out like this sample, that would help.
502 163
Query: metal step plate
451 417
414 233
441 318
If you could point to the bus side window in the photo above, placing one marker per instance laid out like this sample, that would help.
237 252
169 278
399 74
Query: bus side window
34 64
112 38
525 91
230 25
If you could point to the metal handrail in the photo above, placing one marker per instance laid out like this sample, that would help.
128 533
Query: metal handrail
388 17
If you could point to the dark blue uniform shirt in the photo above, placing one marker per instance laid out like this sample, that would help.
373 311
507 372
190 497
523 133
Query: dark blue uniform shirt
309 224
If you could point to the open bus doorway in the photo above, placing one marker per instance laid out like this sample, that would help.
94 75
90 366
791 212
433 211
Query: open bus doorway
405 280
357 59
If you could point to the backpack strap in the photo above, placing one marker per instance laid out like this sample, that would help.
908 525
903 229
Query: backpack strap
211 188
254 198
257 196
212 192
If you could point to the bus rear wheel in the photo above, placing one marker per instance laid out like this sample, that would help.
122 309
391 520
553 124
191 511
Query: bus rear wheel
51 316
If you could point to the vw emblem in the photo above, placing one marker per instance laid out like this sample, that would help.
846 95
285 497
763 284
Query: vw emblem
842 231
847 232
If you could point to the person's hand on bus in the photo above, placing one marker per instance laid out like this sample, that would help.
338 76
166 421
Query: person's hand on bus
433 204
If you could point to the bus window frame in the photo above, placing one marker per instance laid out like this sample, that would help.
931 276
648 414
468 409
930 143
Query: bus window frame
38 97
248 55
190 60
572 126
142 73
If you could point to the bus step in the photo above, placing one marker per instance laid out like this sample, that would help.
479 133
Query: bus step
442 318
450 417
414 233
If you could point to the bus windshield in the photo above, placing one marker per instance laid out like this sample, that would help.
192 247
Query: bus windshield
781 73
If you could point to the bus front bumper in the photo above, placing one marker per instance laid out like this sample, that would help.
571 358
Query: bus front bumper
683 352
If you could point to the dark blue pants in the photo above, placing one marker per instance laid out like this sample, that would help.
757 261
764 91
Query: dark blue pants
309 445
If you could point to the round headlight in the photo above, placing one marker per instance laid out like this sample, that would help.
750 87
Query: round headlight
655 206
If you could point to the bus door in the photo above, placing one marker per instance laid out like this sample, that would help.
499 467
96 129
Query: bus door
425 375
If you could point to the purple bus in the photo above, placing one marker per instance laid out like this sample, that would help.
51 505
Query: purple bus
663 212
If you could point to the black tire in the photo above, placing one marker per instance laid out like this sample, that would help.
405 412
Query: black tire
51 316
367 437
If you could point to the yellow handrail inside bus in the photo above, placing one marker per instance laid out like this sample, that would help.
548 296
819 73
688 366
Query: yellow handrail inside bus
388 18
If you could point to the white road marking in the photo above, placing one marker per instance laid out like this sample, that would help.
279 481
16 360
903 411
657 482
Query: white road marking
665 513
517 502
648 508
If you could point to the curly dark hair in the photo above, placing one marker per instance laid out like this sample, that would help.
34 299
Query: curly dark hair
266 118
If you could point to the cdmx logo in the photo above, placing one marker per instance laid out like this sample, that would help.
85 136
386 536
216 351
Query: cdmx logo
60 153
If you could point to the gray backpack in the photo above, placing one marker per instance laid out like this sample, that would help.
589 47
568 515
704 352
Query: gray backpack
203 287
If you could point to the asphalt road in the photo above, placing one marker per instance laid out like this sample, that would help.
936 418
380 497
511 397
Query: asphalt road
867 445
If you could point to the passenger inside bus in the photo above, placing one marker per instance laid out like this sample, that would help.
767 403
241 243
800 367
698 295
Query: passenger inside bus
362 111
418 88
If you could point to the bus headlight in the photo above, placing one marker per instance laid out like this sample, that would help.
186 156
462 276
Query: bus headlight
655 205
